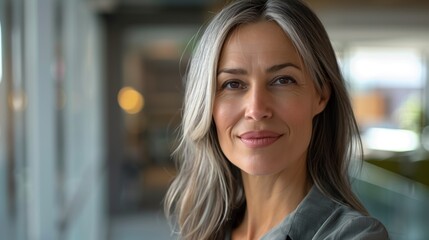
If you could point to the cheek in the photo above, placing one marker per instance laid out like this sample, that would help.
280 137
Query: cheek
224 114
298 115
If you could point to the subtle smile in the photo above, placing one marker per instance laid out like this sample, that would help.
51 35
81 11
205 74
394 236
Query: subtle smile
259 139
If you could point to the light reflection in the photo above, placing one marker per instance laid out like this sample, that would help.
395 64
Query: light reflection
425 138
130 100
385 67
392 140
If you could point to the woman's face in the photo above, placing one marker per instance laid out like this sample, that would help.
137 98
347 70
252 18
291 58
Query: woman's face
265 101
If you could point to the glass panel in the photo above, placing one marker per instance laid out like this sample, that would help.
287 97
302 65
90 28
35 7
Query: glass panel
80 119
50 83
4 201
1 52
401 204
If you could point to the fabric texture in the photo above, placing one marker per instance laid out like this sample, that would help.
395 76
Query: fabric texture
318 217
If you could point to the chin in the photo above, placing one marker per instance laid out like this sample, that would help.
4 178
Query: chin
259 170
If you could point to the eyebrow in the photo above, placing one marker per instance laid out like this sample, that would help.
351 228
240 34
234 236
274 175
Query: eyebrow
278 67
272 69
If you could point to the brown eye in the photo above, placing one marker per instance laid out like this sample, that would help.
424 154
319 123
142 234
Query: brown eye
283 80
232 85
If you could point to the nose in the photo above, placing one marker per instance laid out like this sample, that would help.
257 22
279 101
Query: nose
258 105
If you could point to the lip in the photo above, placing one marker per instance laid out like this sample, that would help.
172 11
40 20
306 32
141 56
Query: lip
259 139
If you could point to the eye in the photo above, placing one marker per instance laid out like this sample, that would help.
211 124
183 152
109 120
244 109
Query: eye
233 84
283 80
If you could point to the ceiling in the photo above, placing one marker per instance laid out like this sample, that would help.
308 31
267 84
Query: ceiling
380 4
345 20
322 4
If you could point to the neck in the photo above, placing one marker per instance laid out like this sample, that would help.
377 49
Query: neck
269 199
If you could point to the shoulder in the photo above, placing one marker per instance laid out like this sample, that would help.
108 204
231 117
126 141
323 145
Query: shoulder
346 223
319 217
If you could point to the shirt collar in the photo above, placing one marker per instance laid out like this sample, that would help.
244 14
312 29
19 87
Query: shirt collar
306 219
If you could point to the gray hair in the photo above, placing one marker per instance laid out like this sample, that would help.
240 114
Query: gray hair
207 193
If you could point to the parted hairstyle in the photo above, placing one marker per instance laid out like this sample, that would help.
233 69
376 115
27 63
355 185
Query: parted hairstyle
207 194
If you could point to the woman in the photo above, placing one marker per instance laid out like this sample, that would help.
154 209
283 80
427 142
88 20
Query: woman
267 133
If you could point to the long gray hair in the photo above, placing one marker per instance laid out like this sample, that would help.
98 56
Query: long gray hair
207 193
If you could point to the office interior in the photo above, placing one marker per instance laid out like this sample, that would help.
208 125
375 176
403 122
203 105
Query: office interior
90 99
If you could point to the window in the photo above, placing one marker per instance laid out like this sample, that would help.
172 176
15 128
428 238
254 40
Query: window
388 88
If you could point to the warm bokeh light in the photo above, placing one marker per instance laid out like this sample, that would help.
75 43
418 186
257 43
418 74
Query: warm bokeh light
17 100
130 100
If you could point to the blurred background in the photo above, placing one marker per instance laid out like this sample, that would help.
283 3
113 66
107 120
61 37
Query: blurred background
90 98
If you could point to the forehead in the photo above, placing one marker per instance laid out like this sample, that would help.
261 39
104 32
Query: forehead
264 38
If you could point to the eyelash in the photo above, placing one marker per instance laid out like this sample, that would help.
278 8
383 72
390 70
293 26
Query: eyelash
290 80
227 84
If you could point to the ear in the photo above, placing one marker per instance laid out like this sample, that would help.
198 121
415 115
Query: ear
321 100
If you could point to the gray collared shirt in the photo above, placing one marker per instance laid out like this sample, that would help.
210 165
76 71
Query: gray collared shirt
318 217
